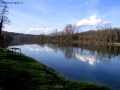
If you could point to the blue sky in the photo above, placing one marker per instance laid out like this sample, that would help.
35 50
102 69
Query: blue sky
44 16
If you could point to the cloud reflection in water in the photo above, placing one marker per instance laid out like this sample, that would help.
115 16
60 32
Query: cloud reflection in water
91 59
38 48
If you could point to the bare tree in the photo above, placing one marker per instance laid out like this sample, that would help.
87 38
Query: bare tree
3 15
107 25
69 29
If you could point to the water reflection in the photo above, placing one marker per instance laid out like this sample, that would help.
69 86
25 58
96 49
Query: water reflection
81 53
98 64
87 53
38 48
91 59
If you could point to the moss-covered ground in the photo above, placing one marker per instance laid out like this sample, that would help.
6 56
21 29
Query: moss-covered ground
18 72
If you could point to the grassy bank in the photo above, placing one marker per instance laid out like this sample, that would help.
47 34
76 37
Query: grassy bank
18 72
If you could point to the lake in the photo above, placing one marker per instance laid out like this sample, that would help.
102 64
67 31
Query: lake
96 64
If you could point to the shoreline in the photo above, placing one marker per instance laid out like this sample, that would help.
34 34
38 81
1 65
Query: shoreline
20 72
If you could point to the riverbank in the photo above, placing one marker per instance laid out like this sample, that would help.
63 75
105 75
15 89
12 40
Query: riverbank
114 44
18 72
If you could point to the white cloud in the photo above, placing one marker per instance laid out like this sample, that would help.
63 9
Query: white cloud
108 22
92 21
35 31
38 31
89 58
10 29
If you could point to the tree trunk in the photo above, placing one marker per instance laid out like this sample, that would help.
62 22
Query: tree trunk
1 25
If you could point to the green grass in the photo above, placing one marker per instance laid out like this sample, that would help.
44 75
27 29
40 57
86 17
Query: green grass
18 72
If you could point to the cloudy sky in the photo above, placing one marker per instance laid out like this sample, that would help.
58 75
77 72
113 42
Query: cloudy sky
44 16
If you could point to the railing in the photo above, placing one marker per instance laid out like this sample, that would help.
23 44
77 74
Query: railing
15 49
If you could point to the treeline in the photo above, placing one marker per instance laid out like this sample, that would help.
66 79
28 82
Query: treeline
5 39
5 36
19 37
70 34
100 36
25 39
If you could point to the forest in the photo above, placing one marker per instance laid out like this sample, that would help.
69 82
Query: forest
71 35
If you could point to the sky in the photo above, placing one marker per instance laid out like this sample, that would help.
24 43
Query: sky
44 16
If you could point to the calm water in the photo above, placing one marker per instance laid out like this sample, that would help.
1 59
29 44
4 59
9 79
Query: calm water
79 64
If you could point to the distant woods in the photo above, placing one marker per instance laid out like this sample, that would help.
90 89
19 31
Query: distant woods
70 34
100 36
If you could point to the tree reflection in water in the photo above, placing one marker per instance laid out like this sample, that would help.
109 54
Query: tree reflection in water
73 51
100 52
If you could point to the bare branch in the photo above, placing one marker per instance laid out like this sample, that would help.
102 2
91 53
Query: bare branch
3 15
